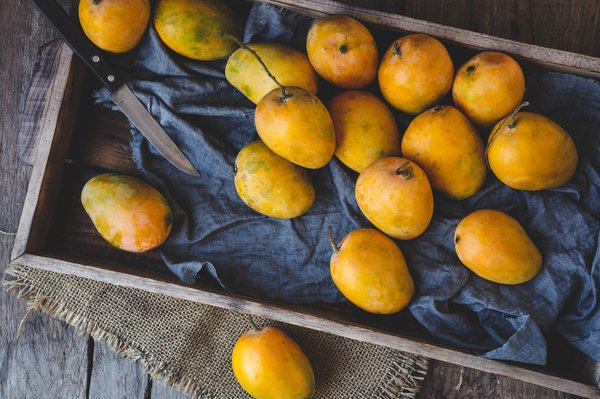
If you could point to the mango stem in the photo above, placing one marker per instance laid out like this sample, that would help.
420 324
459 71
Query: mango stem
405 172
512 116
334 246
284 95
252 323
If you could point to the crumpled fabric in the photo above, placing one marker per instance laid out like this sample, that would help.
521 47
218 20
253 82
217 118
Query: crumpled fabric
288 260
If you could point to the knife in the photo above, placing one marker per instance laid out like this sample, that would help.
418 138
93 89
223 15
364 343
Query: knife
120 93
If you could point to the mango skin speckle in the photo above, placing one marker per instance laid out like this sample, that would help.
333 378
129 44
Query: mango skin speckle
128 213
197 29
270 184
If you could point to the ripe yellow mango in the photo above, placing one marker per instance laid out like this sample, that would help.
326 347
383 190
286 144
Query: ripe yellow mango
488 86
531 153
289 66
197 29
270 184
415 72
114 25
343 51
268 364
296 126
395 195
369 269
128 213
365 129
496 247
443 142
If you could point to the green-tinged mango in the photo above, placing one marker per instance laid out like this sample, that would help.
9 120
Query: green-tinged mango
289 66
128 213
270 184
198 29
365 129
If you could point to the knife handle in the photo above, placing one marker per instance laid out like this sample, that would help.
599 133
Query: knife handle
79 43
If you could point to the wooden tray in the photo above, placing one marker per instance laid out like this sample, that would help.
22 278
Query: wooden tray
79 140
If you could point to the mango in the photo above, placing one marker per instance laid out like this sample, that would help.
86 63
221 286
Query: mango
268 364
342 51
198 29
296 126
394 194
270 184
488 87
496 247
530 152
415 72
116 26
369 269
365 129
443 142
128 213
289 66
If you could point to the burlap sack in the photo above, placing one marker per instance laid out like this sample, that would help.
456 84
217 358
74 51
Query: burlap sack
188 345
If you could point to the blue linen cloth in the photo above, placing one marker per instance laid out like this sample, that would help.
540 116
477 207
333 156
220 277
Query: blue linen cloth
288 260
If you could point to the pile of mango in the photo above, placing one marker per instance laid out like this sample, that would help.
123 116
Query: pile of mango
442 149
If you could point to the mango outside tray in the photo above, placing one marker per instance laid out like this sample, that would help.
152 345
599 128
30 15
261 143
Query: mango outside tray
55 234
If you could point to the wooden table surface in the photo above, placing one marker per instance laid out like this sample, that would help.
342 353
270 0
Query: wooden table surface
51 360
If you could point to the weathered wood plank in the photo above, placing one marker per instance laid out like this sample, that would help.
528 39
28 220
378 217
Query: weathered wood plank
49 360
56 128
451 381
556 59
115 377
162 391
565 25
310 319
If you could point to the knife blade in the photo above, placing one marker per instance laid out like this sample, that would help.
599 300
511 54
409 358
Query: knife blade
121 94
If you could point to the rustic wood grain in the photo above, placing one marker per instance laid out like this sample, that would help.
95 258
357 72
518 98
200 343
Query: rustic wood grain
560 24
162 391
113 377
304 317
557 60
49 360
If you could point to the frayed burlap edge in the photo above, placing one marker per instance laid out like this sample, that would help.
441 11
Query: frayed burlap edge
14 280
401 380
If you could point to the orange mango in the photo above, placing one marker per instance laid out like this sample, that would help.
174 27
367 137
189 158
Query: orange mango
530 152
488 87
128 213
415 72
268 364
369 269
443 142
114 25
342 51
395 195
296 126
496 247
